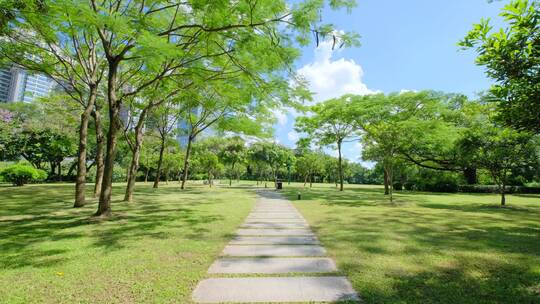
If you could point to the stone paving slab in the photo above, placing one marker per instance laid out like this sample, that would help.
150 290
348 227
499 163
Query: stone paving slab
274 215
254 232
276 289
274 240
273 250
280 214
260 220
276 225
272 265
281 210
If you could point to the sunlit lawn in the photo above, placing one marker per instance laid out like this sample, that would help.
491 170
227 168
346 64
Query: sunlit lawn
153 250
424 248
429 248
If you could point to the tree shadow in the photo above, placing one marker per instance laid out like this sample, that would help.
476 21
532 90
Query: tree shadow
429 248
34 215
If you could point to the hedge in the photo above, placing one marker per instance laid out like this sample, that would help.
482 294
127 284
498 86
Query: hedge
20 174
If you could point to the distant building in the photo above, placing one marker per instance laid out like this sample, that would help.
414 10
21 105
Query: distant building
182 128
17 84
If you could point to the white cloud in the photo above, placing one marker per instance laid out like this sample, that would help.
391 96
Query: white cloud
281 117
333 78
407 91
293 136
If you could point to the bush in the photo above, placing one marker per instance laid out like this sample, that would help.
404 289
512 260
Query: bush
398 186
437 181
495 189
408 186
119 174
19 174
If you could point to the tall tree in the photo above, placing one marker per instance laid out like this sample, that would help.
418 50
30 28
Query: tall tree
501 151
163 39
387 123
310 164
512 58
54 38
233 154
141 107
165 121
330 124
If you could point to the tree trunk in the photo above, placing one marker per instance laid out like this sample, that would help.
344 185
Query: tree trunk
100 139
231 175
470 176
80 181
60 171
73 166
386 187
104 205
503 194
340 166
160 163
390 176
52 171
146 174
305 180
132 174
186 162
134 166
311 181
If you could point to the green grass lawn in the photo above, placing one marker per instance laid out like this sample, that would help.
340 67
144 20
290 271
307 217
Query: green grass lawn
154 250
429 248
424 248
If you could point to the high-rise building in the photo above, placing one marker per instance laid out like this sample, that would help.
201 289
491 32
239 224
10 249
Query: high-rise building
17 84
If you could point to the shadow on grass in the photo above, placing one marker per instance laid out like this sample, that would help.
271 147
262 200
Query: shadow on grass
429 248
35 215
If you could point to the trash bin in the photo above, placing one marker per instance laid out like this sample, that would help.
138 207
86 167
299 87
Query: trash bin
279 185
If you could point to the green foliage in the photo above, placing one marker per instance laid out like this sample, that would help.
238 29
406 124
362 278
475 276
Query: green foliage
40 132
512 58
119 174
20 174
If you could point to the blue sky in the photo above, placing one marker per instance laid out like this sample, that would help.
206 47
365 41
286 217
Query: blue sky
406 45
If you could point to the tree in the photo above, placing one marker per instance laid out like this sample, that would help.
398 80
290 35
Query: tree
501 151
309 165
162 40
149 155
224 106
512 58
165 119
25 135
172 163
53 38
258 161
233 154
331 123
389 123
209 163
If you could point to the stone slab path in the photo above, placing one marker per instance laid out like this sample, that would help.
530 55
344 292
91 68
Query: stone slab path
274 240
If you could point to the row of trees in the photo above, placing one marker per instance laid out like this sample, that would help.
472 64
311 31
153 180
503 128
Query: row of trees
428 129
216 63
448 132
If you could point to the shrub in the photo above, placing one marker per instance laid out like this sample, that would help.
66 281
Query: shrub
398 186
495 189
20 174
408 186
119 174
436 181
